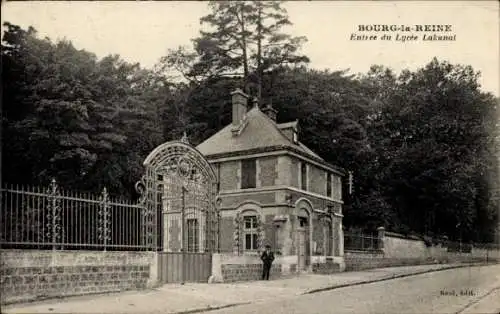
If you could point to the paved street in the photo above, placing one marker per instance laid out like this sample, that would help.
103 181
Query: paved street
414 294
463 290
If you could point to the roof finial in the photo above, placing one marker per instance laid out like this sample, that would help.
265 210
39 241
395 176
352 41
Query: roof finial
184 138
255 102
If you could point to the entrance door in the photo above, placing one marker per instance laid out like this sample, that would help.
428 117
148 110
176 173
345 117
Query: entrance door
301 234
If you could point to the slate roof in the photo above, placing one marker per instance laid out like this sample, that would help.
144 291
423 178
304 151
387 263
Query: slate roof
260 134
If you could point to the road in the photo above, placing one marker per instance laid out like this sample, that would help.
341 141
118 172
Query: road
464 290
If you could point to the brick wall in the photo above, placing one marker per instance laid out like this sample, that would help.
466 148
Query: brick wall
226 234
317 235
229 175
269 231
28 275
316 201
337 187
245 267
232 201
294 172
267 171
248 272
317 180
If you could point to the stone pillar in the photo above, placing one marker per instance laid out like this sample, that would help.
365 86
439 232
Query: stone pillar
288 234
381 236
341 237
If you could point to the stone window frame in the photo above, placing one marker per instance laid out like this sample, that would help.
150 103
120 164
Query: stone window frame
249 208
253 231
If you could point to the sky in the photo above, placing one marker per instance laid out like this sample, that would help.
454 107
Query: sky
144 31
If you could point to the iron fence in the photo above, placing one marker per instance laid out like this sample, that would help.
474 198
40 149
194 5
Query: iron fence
360 242
38 218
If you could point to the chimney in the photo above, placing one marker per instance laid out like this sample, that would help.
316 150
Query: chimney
270 112
239 100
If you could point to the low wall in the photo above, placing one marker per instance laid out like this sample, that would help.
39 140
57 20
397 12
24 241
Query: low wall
359 260
28 275
227 267
398 246
327 264
398 250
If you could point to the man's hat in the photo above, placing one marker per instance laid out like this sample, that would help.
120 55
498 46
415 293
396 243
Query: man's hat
268 246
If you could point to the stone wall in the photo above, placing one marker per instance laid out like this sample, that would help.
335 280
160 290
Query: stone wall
400 250
245 267
359 260
248 272
396 245
327 264
28 275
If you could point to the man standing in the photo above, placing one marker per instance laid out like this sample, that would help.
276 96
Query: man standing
267 258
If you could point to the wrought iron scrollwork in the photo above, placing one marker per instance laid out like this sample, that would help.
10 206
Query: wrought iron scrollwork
184 174
104 227
140 188
54 213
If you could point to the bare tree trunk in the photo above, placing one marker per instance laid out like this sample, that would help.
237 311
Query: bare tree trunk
244 50
259 53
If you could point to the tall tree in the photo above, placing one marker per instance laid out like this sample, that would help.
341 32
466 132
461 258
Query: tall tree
68 115
244 39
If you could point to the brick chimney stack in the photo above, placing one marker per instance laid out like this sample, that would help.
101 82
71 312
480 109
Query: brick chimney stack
239 100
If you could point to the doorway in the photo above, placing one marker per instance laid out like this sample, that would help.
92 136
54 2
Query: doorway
303 243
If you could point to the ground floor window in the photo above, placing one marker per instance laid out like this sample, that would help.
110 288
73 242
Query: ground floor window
250 232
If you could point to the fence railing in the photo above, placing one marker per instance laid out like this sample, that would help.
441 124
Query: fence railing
53 218
361 242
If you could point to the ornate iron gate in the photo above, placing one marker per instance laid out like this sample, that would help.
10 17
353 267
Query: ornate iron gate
181 220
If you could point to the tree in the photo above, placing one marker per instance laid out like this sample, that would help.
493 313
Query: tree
436 128
244 40
70 116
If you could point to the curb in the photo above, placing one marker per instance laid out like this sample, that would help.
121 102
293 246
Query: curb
207 309
210 308
390 278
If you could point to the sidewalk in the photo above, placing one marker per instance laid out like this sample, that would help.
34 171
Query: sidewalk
193 297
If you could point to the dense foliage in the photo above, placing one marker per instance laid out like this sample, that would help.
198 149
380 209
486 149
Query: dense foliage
421 144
